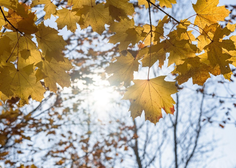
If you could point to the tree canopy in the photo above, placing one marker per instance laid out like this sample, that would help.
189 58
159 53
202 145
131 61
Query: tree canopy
33 58
35 64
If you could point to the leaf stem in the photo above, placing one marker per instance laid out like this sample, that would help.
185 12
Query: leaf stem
163 11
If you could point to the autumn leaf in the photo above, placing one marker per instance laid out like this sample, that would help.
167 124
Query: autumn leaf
193 68
67 18
95 16
50 42
49 8
20 83
10 4
145 3
208 12
126 33
119 9
151 96
159 29
80 4
215 53
123 69
152 54
179 50
167 3
20 18
53 72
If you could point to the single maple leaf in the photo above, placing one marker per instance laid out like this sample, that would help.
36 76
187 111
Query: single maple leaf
119 9
151 96
49 8
54 72
20 83
208 12
95 16
50 42
67 18
123 69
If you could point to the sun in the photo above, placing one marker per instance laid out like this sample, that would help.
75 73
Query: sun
102 100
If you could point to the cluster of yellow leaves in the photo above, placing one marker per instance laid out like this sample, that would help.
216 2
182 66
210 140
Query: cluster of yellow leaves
24 64
194 57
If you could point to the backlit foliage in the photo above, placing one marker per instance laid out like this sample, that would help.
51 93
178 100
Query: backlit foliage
32 55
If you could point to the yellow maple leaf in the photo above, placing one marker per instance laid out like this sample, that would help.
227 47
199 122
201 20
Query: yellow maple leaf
49 8
123 69
119 9
78 4
50 42
54 72
145 3
167 3
95 16
159 29
148 34
67 18
208 12
20 83
151 96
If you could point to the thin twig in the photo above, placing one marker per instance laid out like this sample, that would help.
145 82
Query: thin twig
163 11
5 18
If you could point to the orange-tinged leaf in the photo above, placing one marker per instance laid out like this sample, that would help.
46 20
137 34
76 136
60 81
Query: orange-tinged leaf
49 8
208 12
151 96
20 18
123 69
67 18
3 139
